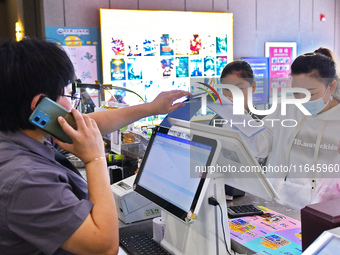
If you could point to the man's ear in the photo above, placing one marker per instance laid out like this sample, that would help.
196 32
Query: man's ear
36 100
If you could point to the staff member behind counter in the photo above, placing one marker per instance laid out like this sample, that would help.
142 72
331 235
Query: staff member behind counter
45 208
313 141
240 74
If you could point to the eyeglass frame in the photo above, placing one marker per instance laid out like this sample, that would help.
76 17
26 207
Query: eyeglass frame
75 96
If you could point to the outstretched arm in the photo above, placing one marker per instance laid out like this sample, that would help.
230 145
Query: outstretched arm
111 120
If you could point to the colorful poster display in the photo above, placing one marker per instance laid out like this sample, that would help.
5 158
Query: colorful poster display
271 233
260 68
82 46
281 55
142 54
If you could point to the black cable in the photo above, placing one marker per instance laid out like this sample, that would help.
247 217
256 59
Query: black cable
225 241
214 202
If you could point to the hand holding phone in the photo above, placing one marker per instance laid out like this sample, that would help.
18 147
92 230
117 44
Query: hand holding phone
87 139
45 117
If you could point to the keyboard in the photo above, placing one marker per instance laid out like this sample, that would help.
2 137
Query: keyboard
243 210
141 243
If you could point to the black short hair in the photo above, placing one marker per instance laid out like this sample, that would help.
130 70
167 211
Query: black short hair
28 68
241 68
316 65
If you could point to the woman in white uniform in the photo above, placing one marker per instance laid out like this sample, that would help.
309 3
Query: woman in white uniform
300 157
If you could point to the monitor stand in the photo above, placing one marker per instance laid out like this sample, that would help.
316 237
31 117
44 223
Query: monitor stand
204 235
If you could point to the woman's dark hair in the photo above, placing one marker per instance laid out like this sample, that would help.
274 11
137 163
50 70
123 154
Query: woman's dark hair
326 52
28 68
241 68
316 65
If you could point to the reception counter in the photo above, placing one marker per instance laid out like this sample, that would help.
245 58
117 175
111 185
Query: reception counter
146 225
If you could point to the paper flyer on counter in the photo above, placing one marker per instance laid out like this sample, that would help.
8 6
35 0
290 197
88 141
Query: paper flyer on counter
272 244
271 233
275 221
243 231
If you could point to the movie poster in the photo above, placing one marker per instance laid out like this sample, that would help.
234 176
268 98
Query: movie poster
117 69
167 67
150 46
195 44
153 68
181 45
221 45
134 68
209 45
166 45
196 66
182 67
134 46
209 66
118 46
221 62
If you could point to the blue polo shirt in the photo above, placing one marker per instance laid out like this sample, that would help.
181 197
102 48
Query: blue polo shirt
42 203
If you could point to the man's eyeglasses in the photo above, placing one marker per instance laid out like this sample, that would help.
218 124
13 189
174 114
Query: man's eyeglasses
75 98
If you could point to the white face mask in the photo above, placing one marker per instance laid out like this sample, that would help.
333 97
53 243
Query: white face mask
317 105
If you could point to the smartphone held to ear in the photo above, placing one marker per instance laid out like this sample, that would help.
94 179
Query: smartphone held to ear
45 116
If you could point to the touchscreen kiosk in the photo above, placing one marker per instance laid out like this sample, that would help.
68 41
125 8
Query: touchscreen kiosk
165 176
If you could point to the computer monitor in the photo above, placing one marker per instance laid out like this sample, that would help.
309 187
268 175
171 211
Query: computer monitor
235 161
168 177
165 176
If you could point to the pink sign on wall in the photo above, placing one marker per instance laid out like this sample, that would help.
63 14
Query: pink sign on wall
281 56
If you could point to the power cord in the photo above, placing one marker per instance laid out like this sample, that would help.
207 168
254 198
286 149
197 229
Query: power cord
214 202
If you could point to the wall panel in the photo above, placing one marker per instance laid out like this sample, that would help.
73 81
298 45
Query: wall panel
220 5
277 21
244 27
323 31
199 5
84 13
313 32
337 31
305 35
174 5
124 4
54 13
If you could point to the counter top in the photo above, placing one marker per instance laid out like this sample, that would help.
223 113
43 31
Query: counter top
257 201
146 225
